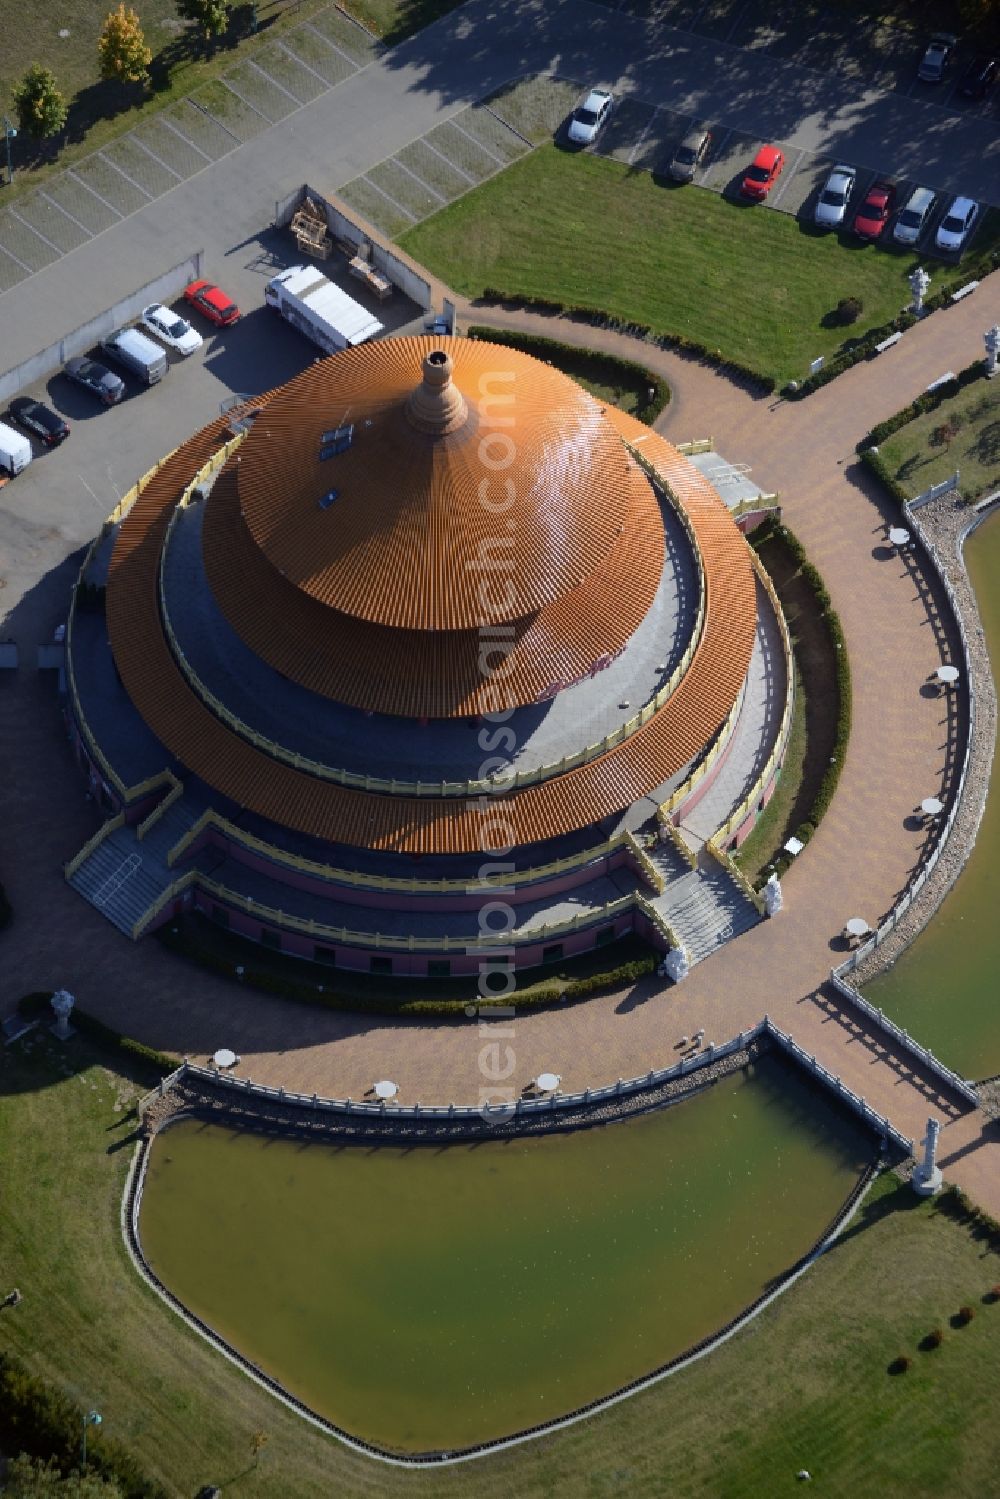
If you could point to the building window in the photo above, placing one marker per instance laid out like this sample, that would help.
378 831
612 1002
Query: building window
439 968
220 915
380 965
270 938
552 953
605 934
326 955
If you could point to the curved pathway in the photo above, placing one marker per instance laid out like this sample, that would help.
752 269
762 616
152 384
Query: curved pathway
859 861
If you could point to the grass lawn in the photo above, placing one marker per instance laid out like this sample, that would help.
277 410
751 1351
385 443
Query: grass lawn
804 1386
748 281
814 718
395 20
920 454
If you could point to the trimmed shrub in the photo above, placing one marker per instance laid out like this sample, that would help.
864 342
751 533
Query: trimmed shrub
849 309
589 361
859 349
929 401
964 1315
933 1340
900 1364
36 1005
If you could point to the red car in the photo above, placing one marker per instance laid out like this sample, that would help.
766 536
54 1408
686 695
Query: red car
763 173
217 307
876 211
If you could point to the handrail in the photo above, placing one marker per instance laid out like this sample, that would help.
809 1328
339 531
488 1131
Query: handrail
104 831
700 445
736 817
755 502
680 843
175 888
725 858
660 923
397 786
365 880
176 790
649 870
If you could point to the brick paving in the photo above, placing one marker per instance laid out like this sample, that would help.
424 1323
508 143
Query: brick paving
859 861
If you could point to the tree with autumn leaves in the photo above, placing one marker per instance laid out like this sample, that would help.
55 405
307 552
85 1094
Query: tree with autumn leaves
122 48
40 107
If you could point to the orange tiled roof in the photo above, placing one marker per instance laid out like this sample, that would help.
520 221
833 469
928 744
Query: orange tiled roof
671 738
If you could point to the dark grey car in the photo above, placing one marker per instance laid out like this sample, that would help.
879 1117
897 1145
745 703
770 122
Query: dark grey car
101 382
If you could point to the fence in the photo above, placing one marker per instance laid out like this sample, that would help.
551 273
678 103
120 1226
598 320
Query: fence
349 227
860 1105
163 289
839 974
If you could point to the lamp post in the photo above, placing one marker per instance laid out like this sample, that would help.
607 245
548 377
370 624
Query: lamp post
10 133
92 1418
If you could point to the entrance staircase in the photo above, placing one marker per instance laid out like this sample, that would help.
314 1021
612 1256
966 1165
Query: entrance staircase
124 875
703 905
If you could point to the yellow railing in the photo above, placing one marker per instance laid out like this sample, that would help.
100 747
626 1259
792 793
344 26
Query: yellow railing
755 502
660 923
85 852
652 875
680 842
392 942
331 874
701 445
701 770
724 857
176 790
774 759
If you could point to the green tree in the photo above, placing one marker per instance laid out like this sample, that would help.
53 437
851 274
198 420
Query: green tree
41 109
34 1478
210 16
122 47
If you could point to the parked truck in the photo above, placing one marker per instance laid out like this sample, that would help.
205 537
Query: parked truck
15 451
319 309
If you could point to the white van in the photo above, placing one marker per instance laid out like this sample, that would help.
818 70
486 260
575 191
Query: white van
15 450
137 353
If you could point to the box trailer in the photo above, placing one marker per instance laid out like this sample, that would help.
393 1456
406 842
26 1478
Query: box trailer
319 309
15 450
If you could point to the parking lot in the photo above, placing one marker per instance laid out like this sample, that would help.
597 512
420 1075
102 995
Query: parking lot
457 156
179 142
58 502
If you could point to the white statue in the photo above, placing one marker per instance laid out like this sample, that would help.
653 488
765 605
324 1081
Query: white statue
919 282
62 1003
927 1176
991 338
773 898
675 965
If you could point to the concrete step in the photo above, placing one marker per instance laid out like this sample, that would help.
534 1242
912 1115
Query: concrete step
704 906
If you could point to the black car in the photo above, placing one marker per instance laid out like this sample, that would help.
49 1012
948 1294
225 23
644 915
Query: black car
95 378
980 78
46 424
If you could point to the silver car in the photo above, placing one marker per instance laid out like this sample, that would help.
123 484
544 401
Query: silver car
957 224
590 117
690 154
833 200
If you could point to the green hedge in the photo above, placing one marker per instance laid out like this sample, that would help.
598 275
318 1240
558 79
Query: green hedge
848 358
36 1005
544 992
929 401
831 775
957 1204
642 331
589 360
38 1419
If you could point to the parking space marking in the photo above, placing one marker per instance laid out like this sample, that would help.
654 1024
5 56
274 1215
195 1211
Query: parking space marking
485 149
448 161
13 257
274 83
283 47
214 119
137 142
345 55
162 120
737 22
14 214
388 197
122 173
717 148
788 175
65 211
643 134
425 185
94 193
237 95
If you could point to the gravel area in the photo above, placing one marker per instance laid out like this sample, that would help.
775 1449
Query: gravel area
946 522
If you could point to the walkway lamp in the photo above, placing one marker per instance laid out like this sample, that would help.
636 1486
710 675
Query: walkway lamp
10 133
92 1418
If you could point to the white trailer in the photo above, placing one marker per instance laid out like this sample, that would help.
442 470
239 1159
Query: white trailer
320 310
15 451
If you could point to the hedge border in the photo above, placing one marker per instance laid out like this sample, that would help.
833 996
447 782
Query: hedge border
641 331
930 400
36 1005
538 345
545 992
831 776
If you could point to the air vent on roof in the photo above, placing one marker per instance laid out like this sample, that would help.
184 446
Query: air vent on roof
327 500
337 441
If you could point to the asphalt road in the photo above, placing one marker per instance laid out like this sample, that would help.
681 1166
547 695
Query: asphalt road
57 504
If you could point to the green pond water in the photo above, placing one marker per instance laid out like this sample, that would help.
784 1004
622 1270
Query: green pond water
945 989
429 1298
